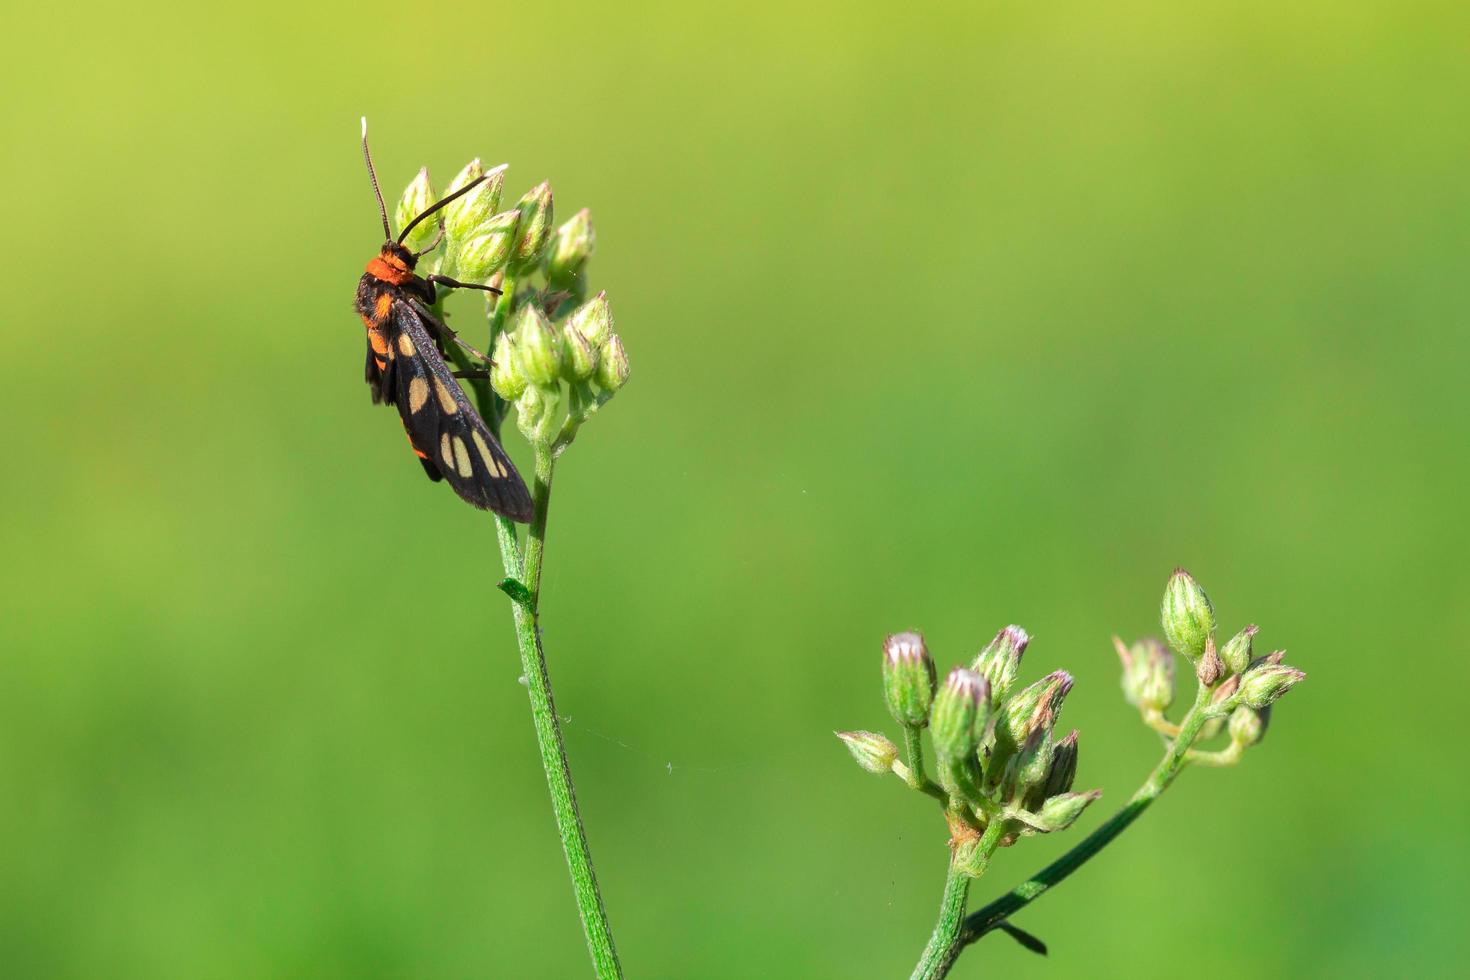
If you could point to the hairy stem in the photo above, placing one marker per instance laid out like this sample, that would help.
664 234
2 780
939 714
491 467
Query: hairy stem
548 728
1173 762
947 941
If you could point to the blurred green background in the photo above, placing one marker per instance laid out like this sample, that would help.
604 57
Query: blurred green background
940 317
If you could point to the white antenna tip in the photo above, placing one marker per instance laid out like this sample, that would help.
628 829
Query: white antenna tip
364 127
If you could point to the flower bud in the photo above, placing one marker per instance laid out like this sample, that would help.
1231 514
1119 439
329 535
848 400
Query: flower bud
578 357
417 197
1264 684
1063 767
570 250
612 365
1001 659
1148 674
1209 668
535 228
536 413
537 346
1030 708
961 708
1246 725
1237 652
464 216
1027 771
1187 615
908 679
874 752
505 373
1061 811
593 319
486 251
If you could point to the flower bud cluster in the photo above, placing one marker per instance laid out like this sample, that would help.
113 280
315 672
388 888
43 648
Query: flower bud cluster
551 348
1242 687
997 756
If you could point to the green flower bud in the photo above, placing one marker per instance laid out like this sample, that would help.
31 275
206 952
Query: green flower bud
505 373
536 413
463 217
872 751
1187 615
908 679
1061 811
416 199
537 346
612 366
489 247
593 320
578 358
569 253
1029 709
1027 770
1001 659
1237 652
1263 684
960 710
1247 725
535 229
1148 674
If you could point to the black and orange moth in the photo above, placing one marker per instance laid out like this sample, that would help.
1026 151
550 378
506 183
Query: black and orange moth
406 368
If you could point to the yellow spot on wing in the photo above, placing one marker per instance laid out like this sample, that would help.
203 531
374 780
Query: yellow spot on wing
491 463
446 400
462 458
418 393
405 345
444 451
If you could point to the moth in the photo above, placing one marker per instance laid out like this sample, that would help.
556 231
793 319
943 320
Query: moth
406 368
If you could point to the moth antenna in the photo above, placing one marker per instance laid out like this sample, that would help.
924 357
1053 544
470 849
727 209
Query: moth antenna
372 175
442 202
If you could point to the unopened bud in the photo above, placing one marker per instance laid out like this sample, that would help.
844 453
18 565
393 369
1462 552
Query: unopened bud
1209 668
908 679
612 365
593 319
1061 811
1246 725
1260 686
1148 674
570 250
874 752
1223 692
1063 766
464 216
1187 616
535 227
1237 652
416 199
1000 661
537 346
488 248
536 411
579 358
505 372
961 708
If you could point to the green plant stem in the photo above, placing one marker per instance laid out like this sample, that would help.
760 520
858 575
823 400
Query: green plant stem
548 728
947 941
1164 773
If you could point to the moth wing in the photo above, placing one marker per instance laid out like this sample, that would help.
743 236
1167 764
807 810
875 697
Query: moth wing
443 425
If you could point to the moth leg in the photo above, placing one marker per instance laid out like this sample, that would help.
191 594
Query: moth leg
444 334
456 284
